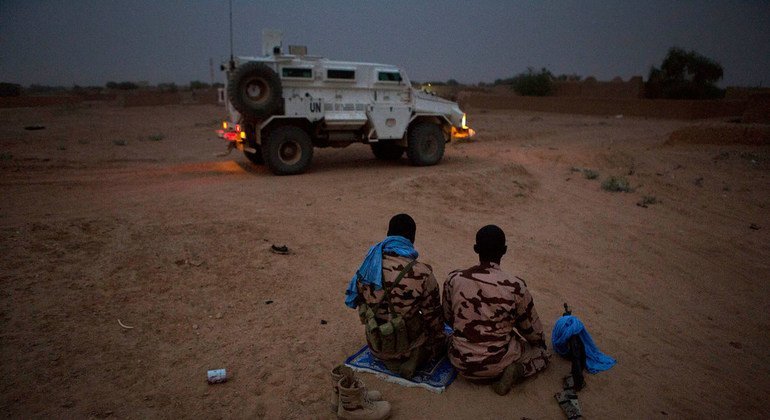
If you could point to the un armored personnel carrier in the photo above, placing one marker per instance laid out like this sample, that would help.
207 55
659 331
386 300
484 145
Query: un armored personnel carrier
280 106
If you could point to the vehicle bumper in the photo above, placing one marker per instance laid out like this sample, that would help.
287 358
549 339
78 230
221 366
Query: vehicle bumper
462 133
232 134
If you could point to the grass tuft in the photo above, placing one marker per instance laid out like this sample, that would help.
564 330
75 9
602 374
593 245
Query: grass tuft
590 174
647 200
616 184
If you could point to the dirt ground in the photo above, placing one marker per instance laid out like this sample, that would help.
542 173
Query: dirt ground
112 214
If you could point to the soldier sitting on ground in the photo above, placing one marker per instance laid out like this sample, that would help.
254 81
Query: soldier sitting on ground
497 332
398 301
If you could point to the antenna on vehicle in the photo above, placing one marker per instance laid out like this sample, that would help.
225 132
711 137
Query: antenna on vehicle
232 61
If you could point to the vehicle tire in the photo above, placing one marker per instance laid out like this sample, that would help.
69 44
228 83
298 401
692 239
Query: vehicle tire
254 89
251 141
287 150
425 144
387 150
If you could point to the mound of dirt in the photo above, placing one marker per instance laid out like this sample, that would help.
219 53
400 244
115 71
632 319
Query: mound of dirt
750 134
469 190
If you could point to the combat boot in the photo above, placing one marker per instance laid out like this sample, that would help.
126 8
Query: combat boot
511 375
355 405
339 372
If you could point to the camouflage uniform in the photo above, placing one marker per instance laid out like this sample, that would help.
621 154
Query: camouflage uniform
417 295
494 321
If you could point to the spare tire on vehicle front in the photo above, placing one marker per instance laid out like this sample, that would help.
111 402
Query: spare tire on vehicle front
254 89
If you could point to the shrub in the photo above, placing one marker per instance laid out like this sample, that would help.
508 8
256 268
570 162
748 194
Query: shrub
127 86
532 83
647 200
616 184
33 88
167 87
197 84
574 77
590 174
10 89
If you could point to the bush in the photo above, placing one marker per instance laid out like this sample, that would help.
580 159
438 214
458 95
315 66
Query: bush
533 84
590 174
197 84
647 200
10 89
568 77
33 88
616 184
167 87
685 75
127 86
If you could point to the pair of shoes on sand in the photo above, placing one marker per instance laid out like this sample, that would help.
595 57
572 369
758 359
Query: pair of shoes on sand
351 400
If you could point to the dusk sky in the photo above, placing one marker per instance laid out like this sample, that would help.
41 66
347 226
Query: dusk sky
90 42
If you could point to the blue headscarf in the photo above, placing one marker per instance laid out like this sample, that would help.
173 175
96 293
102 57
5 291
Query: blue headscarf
569 325
371 269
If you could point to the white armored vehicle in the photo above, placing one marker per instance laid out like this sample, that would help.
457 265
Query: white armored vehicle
281 106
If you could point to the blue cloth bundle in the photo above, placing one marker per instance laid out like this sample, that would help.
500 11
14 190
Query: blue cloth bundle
569 325
371 269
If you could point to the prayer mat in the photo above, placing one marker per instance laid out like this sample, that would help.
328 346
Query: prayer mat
434 376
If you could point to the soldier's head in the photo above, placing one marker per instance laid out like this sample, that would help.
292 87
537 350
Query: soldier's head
402 225
490 244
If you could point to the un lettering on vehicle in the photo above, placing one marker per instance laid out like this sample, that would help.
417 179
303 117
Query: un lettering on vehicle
315 107
311 108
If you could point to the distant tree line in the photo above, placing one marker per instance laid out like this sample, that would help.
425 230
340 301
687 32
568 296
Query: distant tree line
681 75
536 83
15 89
166 87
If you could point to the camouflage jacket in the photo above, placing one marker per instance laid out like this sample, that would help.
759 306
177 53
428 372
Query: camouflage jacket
416 296
491 313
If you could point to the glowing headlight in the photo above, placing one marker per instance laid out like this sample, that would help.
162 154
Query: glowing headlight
463 123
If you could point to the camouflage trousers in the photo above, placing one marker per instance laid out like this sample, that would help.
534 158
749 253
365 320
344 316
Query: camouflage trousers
406 368
534 359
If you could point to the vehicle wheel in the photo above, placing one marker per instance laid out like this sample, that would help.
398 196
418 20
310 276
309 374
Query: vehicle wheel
425 144
387 150
251 141
254 89
288 150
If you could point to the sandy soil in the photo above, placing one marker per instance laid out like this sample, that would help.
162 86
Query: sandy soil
126 214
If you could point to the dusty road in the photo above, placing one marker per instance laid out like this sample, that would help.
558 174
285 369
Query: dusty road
126 214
